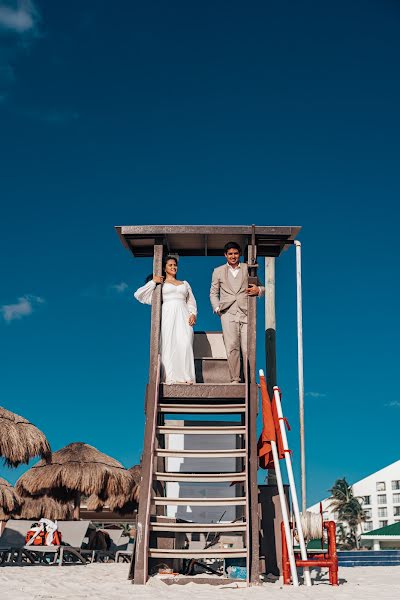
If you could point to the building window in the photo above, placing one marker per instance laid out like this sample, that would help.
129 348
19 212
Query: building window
382 512
380 486
367 499
396 511
368 526
368 513
396 484
396 498
382 499
383 523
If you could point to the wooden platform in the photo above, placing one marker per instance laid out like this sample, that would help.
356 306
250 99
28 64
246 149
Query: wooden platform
203 390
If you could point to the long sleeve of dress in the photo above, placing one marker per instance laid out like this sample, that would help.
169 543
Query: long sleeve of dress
145 293
191 301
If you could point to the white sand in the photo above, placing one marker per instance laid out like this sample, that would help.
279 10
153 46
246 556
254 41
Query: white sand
108 582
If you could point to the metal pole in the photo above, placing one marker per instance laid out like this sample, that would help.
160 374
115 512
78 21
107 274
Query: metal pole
300 366
270 337
270 324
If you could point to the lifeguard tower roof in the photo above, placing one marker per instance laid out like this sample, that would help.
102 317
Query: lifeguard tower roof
205 240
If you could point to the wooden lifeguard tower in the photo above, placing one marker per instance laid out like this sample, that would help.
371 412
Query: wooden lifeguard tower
164 539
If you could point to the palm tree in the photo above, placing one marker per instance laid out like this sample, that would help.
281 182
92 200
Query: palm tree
349 509
345 539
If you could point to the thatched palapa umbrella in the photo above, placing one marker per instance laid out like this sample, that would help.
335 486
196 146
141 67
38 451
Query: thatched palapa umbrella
9 500
20 440
36 507
75 470
125 504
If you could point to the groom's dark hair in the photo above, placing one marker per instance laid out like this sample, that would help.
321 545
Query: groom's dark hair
231 245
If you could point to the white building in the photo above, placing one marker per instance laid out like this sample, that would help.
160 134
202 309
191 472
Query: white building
381 498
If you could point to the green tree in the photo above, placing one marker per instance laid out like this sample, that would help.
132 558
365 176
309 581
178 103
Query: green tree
349 509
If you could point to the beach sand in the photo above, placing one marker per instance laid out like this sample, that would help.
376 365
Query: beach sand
108 582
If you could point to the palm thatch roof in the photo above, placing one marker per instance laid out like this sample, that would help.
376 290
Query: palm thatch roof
20 440
9 500
76 468
125 504
121 503
37 507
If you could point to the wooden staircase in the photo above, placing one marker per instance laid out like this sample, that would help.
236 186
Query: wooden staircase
199 460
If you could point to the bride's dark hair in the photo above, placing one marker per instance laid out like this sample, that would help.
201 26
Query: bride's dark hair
165 260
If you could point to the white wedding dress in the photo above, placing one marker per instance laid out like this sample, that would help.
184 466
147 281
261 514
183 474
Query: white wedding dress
176 342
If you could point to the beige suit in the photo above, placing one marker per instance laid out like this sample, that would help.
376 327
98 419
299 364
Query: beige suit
229 298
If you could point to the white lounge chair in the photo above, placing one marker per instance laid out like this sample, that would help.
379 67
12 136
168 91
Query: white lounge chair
14 550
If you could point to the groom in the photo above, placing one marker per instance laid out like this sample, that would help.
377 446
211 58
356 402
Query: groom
228 295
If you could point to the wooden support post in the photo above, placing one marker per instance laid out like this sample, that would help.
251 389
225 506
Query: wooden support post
77 506
252 410
140 559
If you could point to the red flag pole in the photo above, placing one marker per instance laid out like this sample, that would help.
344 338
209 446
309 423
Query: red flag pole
295 502
282 497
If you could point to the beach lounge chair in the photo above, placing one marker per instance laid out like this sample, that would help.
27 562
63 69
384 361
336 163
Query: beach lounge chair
107 555
14 550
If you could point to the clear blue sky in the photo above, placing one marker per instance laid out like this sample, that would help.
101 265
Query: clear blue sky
279 113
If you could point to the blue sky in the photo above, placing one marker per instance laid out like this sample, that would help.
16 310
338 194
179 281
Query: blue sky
213 113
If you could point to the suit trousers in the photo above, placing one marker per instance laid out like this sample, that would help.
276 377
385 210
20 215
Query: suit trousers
234 329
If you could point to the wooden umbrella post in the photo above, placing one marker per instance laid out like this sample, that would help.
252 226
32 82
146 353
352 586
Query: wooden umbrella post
77 506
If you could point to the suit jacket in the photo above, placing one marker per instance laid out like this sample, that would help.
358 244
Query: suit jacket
228 296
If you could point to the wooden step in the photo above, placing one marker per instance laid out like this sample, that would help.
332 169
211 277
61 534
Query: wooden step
199 527
203 390
209 430
200 477
233 501
209 553
209 344
201 408
234 453
212 370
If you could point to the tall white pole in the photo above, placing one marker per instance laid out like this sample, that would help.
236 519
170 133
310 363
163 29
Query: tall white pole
295 502
270 337
285 515
300 366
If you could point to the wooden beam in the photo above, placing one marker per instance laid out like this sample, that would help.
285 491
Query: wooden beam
186 409
252 410
209 553
233 501
142 537
234 453
201 477
200 527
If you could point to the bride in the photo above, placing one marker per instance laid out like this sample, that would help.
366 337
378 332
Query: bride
179 312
